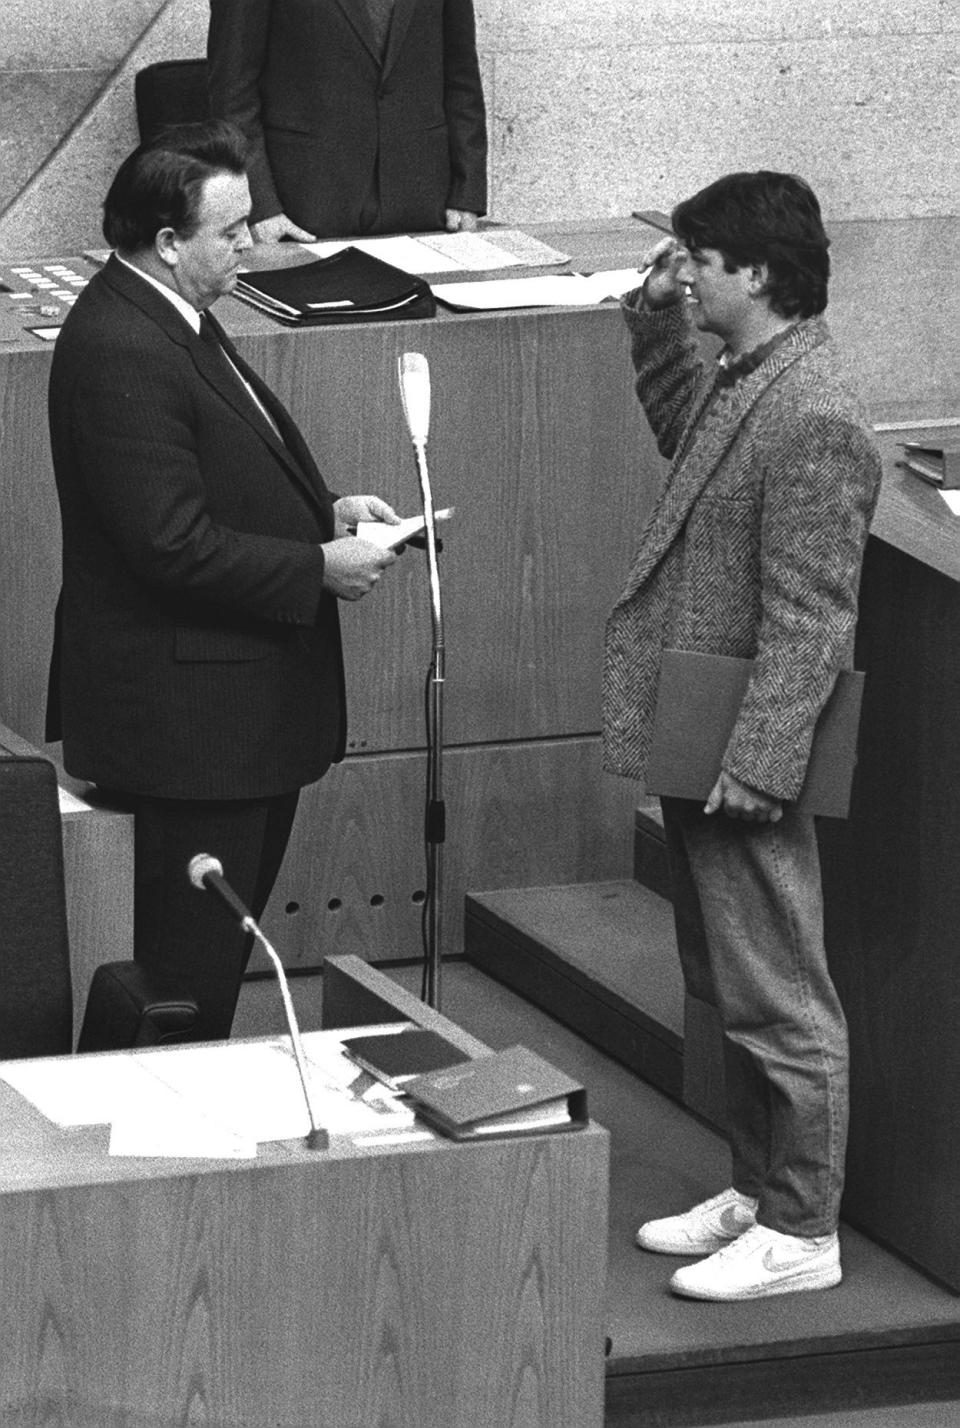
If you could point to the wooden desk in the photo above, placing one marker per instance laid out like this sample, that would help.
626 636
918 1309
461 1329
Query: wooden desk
410 1285
892 899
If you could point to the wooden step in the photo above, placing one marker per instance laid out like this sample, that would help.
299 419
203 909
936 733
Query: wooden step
600 957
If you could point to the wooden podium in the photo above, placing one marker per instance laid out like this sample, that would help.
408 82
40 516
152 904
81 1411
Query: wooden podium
421 1285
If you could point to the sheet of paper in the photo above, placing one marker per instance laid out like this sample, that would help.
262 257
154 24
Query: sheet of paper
218 1099
408 254
952 499
379 533
531 252
79 1090
470 252
559 290
163 1125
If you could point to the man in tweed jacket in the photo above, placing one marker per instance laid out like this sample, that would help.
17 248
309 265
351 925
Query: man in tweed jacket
754 549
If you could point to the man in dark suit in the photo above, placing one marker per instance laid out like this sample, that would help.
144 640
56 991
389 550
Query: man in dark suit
363 116
197 671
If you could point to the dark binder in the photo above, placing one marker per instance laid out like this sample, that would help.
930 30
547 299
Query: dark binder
348 286
940 465
397 1057
697 706
512 1092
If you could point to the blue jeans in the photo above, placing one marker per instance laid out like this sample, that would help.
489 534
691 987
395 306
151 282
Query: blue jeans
749 914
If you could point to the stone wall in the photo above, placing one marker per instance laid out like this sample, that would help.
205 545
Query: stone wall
595 107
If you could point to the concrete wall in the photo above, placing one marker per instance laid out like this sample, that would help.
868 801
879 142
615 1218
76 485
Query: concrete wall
595 107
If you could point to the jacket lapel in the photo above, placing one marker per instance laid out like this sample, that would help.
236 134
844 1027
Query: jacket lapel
399 25
294 457
356 15
702 449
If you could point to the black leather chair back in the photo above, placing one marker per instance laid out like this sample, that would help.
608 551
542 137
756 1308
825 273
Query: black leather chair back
170 92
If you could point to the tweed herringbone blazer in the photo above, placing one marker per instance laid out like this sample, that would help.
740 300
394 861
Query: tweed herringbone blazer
754 547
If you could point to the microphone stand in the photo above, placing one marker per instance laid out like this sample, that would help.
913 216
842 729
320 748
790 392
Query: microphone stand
317 1138
435 813
206 874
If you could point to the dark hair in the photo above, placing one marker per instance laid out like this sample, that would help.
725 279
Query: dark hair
159 185
769 218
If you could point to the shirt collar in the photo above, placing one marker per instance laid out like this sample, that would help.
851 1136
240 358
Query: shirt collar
731 370
181 304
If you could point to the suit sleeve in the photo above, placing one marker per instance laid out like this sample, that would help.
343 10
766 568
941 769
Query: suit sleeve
464 109
236 53
134 436
820 490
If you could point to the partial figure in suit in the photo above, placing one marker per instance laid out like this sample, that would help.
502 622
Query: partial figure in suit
197 672
754 549
363 116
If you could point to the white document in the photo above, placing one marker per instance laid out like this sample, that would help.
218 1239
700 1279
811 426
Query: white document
544 290
213 1100
78 1090
408 254
389 537
462 252
952 499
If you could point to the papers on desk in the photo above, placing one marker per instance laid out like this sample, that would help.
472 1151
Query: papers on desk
218 1100
543 290
451 252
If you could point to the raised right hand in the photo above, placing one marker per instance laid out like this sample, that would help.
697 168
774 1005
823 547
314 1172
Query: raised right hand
271 230
661 288
353 566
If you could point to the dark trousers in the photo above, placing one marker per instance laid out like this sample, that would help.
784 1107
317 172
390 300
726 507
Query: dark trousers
187 935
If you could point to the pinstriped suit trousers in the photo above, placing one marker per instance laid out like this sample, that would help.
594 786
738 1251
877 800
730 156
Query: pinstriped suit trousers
749 914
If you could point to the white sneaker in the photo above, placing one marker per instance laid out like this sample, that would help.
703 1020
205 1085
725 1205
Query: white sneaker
707 1227
759 1263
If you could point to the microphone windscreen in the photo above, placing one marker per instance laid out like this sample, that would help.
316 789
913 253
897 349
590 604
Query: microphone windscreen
415 393
200 865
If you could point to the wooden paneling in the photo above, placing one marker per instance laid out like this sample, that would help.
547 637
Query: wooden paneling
894 915
378 1287
537 443
517 815
29 541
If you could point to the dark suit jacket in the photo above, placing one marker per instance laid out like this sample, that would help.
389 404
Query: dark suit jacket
196 655
330 124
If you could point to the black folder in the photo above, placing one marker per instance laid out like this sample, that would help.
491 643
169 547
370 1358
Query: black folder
512 1092
347 286
396 1057
697 705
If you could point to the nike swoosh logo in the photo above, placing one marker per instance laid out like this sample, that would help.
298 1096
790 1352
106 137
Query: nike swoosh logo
773 1265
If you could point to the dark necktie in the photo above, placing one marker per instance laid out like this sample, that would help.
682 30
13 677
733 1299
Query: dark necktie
211 337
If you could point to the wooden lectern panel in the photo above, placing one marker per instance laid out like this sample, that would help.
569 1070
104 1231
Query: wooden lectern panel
517 815
424 1284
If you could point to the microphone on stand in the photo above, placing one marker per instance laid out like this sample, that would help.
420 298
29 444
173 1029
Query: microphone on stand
414 374
206 874
415 395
